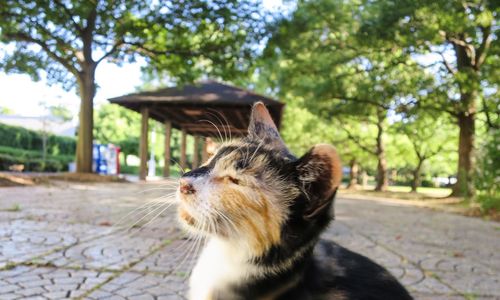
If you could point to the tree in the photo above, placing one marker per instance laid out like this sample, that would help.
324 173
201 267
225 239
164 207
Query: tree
54 114
429 135
61 112
460 36
316 54
487 173
66 40
6 111
114 124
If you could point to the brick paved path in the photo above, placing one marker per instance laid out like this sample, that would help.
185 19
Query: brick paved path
56 242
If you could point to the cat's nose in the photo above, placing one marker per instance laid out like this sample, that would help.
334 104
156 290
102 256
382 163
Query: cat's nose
186 187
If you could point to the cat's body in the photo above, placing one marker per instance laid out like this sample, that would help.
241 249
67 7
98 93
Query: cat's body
263 211
330 272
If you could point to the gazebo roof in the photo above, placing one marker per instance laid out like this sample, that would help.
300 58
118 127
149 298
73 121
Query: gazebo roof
194 107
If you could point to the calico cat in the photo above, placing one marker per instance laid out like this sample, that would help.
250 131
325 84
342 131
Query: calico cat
263 210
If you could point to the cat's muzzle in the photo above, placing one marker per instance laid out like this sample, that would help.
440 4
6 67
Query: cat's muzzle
186 187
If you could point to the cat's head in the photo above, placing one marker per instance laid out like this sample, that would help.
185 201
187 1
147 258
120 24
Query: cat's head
258 195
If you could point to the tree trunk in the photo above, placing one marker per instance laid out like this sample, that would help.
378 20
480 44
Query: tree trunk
353 174
382 180
464 186
364 179
86 82
416 176
466 120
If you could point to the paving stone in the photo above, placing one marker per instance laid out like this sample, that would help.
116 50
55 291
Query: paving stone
32 291
100 294
7 288
149 286
10 296
62 246
23 240
173 258
481 285
45 281
56 295
425 296
112 253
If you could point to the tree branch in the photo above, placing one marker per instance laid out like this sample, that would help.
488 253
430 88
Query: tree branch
469 49
484 47
486 112
154 52
439 108
111 51
87 35
355 99
69 14
357 142
26 38
447 64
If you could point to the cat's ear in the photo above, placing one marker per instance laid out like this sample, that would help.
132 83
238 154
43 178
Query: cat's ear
320 173
262 127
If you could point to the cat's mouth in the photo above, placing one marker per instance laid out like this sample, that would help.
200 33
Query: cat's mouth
186 216
196 224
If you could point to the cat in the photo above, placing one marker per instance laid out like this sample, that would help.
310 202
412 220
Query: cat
262 211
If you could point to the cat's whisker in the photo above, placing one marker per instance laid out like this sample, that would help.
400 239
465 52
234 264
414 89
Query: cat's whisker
154 210
166 186
208 121
192 260
224 124
131 232
227 124
256 150
226 220
202 240
221 124
183 170
138 210
171 190
190 239
191 247
156 216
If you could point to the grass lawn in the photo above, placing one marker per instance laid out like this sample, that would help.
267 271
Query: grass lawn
433 192
403 192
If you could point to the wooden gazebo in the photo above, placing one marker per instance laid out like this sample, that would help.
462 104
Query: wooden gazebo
192 109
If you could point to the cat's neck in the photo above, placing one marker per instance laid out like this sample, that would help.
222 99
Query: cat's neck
225 264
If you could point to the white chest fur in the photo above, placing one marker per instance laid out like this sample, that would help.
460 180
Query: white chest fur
220 265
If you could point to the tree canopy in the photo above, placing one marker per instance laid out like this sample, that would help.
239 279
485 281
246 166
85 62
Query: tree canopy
392 65
402 86
65 41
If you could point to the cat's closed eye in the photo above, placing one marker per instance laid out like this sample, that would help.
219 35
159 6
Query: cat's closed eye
227 179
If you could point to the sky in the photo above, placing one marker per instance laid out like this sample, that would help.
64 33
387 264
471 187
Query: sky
23 96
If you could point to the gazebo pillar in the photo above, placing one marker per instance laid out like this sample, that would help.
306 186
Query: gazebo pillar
204 152
143 143
183 149
196 154
167 154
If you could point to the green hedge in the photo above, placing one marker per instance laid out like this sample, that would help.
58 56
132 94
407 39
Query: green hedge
134 170
30 154
22 138
33 164
32 160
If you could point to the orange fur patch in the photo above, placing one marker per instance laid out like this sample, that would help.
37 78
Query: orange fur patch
330 152
184 215
254 217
